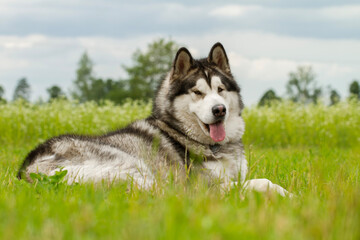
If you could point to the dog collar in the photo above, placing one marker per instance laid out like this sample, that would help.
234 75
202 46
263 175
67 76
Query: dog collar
196 147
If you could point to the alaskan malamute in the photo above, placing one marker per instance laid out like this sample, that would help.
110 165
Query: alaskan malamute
196 112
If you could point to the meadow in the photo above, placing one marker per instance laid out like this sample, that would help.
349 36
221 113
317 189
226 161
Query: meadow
312 151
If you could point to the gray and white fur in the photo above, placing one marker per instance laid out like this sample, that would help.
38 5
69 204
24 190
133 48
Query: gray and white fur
197 112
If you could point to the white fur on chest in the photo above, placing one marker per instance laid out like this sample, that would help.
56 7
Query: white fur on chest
228 169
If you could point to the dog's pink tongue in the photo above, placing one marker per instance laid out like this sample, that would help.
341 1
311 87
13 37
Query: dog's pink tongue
217 132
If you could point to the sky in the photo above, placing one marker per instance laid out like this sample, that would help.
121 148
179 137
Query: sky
43 40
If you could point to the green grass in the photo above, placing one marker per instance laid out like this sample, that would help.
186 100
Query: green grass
312 151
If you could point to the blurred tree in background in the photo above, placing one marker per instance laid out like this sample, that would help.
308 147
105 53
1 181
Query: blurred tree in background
116 91
22 90
334 97
355 90
2 92
84 78
268 98
108 89
150 67
301 86
55 92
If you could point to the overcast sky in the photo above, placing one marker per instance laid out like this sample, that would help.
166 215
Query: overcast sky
265 40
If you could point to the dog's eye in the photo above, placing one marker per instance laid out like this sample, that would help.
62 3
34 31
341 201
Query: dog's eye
198 92
220 89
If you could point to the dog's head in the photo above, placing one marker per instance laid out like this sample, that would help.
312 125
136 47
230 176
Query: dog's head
201 98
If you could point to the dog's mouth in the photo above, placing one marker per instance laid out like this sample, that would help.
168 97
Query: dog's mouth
216 130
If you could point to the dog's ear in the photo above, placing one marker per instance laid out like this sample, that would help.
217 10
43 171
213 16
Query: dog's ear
218 56
182 63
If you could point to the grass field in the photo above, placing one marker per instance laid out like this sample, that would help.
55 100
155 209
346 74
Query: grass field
312 151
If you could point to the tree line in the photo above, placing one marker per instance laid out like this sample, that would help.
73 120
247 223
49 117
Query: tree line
149 68
302 88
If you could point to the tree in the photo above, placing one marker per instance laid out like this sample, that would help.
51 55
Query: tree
301 86
268 98
149 68
334 97
84 79
355 90
2 92
147 71
107 89
55 92
89 88
22 90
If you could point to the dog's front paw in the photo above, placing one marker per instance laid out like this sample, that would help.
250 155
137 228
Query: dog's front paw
264 185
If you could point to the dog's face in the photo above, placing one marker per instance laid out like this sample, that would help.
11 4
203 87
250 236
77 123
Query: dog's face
201 98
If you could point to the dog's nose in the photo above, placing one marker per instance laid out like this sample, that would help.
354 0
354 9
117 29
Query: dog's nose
219 110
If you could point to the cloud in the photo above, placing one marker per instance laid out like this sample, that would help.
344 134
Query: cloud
43 40
118 19
258 75
230 11
255 44
341 13
341 21
261 69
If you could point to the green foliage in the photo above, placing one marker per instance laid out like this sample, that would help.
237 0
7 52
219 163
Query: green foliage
301 86
319 163
90 88
55 92
21 121
2 92
22 90
84 79
44 182
355 90
290 124
268 98
334 97
149 68
283 124
109 89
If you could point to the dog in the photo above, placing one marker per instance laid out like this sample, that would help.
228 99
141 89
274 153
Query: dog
196 115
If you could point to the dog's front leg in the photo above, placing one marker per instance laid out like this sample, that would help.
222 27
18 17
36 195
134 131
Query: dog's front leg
264 185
